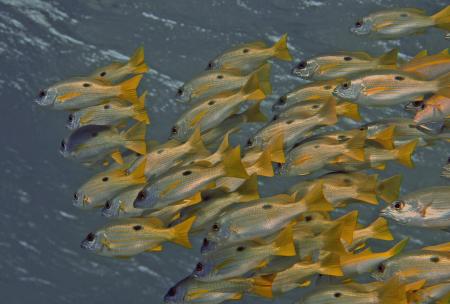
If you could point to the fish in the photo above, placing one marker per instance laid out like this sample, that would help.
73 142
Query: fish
122 204
117 71
344 64
416 265
111 113
106 185
314 91
78 93
245 58
342 188
428 207
434 109
388 88
313 155
183 182
300 273
214 201
260 218
391 292
379 229
404 130
93 141
125 238
398 22
428 67
293 129
211 83
375 158
190 290
367 261
438 294
211 112
240 259
446 169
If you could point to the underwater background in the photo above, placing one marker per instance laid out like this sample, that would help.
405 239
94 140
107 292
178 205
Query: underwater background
42 42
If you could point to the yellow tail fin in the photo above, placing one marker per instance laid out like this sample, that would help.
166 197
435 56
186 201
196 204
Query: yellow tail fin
348 109
348 223
385 137
404 153
440 247
263 166
329 113
181 232
367 197
128 89
140 112
380 230
314 199
397 248
134 138
389 189
251 89
262 75
262 286
442 19
281 50
276 148
355 147
284 244
137 63
331 265
195 143
138 174
254 114
233 165
117 156
389 59
393 292
444 84
421 54
248 191
332 240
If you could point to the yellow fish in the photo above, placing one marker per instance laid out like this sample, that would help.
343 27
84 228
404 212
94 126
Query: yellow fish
430 66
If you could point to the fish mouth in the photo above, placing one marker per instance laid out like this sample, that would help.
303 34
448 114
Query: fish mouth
207 246
81 200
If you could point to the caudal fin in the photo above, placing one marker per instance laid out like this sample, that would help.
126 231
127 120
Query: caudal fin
254 114
314 200
251 90
195 143
181 232
379 230
276 148
389 60
232 164
140 112
442 19
262 286
332 240
348 223
331 265
137 63
404 153
385 137
328 113
444 84
396 249
440 247
137 176
281 50
262 75
284 243
263 166
389 189
393 292
355 147
128 89
134 138
348 109
248 191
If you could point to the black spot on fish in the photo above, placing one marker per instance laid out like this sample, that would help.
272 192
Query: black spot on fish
403 15
105 179
137 227
348 58
315 106
434 259
240 248
106 107
275 117
342 137
316 146
94 134
160 151
289 122
362 129
86 85
308 218
186 173
399 78
412 126
337 294
245 50
211 102
102 74
327 87
347 181
267 206
219 76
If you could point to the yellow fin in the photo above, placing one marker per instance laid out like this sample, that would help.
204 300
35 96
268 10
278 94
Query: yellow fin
380 230
404 153
414 286
237 296
135 138
281 50
331 265
348 109
444 52
385 137
68 96
315 201
389 59
170 187
442 19
355 147
117 156
421 54
128 89
284 244
156 248
140 113
233 165
305 283
348 223
197 118
248 191
332 240
440 247
195 143
381 166
181 232
155 222
137 63
276 148
397 248
444 83
393 292
254 114
251 89
262 286
263 76
389 189
263 166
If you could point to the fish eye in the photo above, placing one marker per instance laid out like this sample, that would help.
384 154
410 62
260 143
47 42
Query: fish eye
215 227
186 173
302 64
275 117
398 205
417 103
86 85
308 218
211 102
359 23
348 58
180 92
106 107
90 237
199 267
381 268
172 292
240 248
345 85
448 160
282 100
141 195
63 145
70 117
102 74
210 65
42 93
399 78
105 179
137 227
249 142
75 196
108 204
219 76
337 294
174 130
245 50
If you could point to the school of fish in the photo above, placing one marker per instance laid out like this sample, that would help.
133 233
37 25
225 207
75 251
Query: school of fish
198 183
